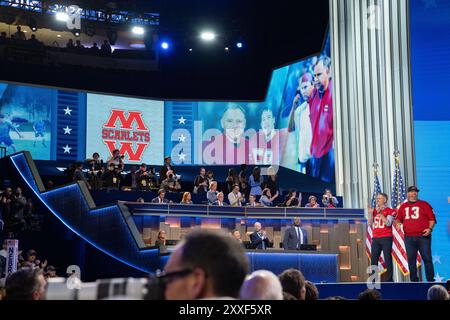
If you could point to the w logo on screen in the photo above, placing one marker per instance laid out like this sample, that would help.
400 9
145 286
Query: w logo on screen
126 131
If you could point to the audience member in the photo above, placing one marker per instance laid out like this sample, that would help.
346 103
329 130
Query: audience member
106 49
20 35
272 181
328 200
26 284
312 202
293 282
211 195
78 174
96 169
201 182
161 241
235 197
165 168
255 182
205 265
143 179
95 50
161 198
291 199
210 178
186 198
237 235
312 293
231 180
70 45
266 199
50 272
111 177
252 201
259 238
261 285
370 294
140 200
437 292
219 202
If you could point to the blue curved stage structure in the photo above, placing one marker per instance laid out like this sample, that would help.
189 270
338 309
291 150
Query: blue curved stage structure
112 228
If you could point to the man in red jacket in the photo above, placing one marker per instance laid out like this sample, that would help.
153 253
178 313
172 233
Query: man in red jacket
418 221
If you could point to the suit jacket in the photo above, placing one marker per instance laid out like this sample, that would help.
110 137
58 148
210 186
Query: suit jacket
156 200
216 203
291 240
257 241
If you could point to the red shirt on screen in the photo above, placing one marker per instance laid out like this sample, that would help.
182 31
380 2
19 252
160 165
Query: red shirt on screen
220 150
379 229
267 152
321 115
416 217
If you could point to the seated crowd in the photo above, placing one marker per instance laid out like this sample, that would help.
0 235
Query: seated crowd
208 265
238 190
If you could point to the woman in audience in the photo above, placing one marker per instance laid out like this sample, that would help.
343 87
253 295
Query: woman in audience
211 195
161 241
186 198
312 202
201 182
231 180
210 177
291 199
267 199
272 181
255 182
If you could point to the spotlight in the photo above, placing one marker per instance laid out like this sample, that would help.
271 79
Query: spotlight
32 23
190 49
138 30
239 45
227 49
165 45
62 16
76 32
207 36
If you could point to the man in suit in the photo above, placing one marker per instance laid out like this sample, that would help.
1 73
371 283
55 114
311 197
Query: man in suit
166 167
295 236
259 238
161 197
219 201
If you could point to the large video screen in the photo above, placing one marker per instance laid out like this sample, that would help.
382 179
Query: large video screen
133 126
293 127
25 118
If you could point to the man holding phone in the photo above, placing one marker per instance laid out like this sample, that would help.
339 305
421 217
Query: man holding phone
418 219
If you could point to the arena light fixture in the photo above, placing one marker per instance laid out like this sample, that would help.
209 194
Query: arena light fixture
62 16
138 30
208 36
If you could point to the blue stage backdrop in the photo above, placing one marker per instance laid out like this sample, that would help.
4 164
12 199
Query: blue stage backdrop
293 127
430 60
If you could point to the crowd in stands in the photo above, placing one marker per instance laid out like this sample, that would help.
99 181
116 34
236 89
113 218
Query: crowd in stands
240 189
17 212
31 271
206 265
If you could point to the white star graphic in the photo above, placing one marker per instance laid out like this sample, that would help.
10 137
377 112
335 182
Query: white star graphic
67 111
438 278
437 259
182 156
182 120
67 149
67 130
182 138
429 4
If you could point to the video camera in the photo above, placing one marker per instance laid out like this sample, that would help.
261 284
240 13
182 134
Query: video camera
151 288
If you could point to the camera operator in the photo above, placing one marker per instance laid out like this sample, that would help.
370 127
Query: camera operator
111 178
117 159
96 169
328 200
171 183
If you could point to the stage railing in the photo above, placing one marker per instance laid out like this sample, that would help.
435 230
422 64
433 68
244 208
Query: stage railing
196 210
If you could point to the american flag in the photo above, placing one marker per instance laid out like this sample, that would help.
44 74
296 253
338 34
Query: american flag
376 190
398 196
